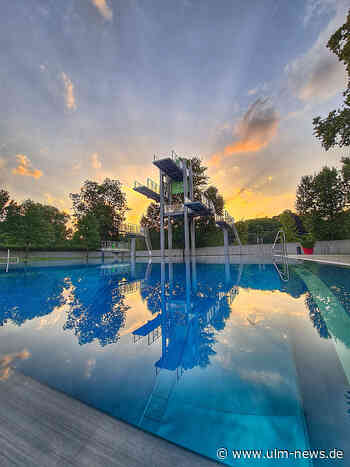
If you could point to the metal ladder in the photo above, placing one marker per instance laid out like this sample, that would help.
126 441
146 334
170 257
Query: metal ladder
282 271
8 260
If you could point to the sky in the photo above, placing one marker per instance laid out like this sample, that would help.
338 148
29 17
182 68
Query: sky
94 88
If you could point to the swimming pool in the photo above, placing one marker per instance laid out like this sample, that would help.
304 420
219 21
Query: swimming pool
208 356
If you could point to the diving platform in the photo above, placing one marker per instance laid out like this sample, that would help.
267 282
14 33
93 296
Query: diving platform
225 221
170 168
175 210
150 190
132 230
201 207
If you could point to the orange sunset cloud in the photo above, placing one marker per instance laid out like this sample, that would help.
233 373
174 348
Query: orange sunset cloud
25 168
254 131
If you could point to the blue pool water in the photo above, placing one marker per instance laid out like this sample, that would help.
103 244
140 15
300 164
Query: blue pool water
204 355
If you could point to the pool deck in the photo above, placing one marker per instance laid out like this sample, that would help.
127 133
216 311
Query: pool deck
340 260
43 427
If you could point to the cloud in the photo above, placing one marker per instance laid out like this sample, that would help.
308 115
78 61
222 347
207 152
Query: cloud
104 9
252 92
7 360
317 75
69 92
316 8
253 131
2 163
25 168
95 161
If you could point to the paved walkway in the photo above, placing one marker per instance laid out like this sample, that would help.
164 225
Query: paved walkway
341 260
40 427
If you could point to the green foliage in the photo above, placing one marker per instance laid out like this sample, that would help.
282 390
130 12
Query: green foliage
87 234
105 201
4 199
334 130
320 201
289 225
212 193
262 229
26 226
307 240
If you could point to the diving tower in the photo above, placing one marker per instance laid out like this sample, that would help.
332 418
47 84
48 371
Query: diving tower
177 199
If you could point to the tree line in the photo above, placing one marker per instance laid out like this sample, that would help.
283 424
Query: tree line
98 211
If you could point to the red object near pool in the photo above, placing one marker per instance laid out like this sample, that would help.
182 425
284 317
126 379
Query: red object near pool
308 251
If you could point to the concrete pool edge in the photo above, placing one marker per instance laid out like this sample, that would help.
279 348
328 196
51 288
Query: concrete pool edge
336 260
42 426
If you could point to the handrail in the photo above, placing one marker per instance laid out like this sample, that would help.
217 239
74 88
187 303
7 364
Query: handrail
8 260
283 253
112 245
131 228
150 184
173 207
280 236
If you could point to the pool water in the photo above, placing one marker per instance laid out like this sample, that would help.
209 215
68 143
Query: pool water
204 355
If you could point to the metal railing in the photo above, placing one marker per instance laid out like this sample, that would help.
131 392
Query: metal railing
283 269
152 185
111 245
132 229
280 239
174 208
208 203
175 157
225 218
9 260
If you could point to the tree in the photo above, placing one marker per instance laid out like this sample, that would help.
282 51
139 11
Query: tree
290 227
213 194
334 130
200 178
57 220
152 217
4 199
87 233
26 227
321 200
105 201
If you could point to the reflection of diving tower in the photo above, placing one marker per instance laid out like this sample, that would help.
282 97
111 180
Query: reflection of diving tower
176 183
179 324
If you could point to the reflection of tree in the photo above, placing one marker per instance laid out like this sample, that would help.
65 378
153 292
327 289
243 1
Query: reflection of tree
316 317
97 318
28 295
222 315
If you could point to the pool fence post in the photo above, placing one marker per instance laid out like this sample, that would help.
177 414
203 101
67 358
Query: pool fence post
161 211
170 226
187 234
133 247
226 250
192 221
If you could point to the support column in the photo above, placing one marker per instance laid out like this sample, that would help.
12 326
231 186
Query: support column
193 236
226 250
133 247
161 212
170 225
193 224
186 227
